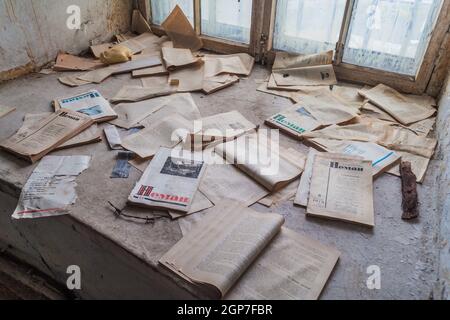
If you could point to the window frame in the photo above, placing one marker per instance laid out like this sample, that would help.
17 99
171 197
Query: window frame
429 78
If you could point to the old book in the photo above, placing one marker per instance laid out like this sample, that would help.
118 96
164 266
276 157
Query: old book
286 60
342 189
180 31
397 105
382 159
306 76
214 256
36 141
170 182
263 160
90 103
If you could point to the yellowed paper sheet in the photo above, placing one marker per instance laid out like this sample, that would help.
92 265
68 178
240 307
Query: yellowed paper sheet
41 138
130 114
189 79
397 105
286 60
180 31
308 76
137 93
175 58
237 64
342 189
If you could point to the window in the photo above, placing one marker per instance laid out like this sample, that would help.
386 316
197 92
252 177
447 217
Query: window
227 19
395 42
308 26
162 8
390 35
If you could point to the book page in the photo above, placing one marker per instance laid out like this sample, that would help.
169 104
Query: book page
219 250
292 267
342 189
307 76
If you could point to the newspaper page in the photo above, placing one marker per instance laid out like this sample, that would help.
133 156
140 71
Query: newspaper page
382 159
180 31
292 267
138 93
263 160
237 64
397 105
326 108
89 103
168 133
50 190
342 189
178 58
130 114
219 128
170 182
113 137
307 76
182 103
223 246
90 135
189 79
34 142
285 60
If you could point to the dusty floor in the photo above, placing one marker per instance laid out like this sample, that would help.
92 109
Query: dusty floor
408 253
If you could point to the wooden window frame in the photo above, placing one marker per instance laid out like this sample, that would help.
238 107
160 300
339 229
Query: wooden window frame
429 78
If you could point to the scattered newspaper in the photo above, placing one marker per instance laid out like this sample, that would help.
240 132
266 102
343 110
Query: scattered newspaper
170 182
342 189
50 190
91 103
40 138
213 254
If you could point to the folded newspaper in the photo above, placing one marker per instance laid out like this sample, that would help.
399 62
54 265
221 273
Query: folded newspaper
170 182
91 103
40 138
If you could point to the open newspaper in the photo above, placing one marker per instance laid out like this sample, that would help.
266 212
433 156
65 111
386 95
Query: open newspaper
342 189
91 103
40 138
263 160
170 182
237 253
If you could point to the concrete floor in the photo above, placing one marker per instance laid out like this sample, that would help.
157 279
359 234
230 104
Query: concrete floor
412 256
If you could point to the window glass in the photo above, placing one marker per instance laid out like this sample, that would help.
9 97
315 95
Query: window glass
390 35
162 8
308 26
227 19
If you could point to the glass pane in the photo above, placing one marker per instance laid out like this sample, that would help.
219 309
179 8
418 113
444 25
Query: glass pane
308 26
390 35
227 19
162 8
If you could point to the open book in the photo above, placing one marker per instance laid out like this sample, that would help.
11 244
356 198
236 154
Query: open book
170 182
238 253
89 103
40 138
